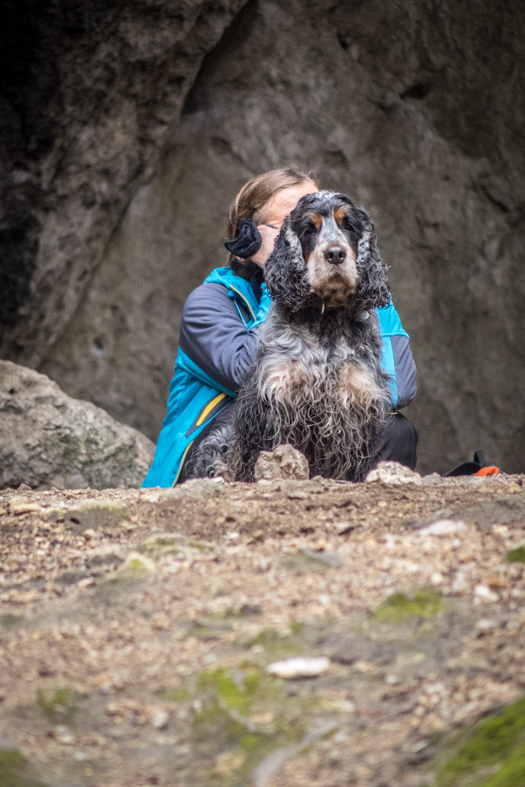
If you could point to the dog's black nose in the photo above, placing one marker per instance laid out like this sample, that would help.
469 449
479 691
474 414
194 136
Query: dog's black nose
335 255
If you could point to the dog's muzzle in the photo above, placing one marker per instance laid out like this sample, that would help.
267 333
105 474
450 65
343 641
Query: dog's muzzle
335 255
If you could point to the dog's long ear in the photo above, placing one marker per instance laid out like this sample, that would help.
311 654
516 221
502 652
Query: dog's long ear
373 290
285 270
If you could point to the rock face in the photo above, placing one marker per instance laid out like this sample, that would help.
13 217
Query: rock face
48 439
123 154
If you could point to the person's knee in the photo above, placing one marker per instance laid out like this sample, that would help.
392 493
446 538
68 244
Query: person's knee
406 429
399 442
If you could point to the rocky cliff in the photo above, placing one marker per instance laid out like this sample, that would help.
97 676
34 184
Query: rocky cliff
127 129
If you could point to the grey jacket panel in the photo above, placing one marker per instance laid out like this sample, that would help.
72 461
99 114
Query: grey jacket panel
405 370
213 335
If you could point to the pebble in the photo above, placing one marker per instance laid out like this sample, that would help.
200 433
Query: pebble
160 719
393 473
63 735
432 478
442 528
301 667
484 593
486 625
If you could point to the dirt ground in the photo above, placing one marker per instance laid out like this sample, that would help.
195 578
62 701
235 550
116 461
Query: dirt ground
137 628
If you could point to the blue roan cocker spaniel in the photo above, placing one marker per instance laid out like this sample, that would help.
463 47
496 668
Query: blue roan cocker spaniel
317 383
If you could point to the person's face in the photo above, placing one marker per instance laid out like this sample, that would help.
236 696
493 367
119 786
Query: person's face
281 204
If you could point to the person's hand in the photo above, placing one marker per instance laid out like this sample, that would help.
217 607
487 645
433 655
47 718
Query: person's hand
268 235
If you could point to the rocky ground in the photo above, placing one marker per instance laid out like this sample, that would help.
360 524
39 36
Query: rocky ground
138 628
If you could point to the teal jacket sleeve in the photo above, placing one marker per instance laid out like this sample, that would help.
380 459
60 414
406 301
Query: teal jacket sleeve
214 336
397 360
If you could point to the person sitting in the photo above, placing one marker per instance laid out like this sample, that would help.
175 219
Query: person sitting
218 334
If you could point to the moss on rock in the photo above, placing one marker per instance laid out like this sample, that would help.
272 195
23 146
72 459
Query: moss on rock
493 754
14 771
245 716
58 704
427 603
516 555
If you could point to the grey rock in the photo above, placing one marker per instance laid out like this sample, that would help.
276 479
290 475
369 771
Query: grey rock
432 478
49 439
175 545
96 514
284 463
329 559
306 561
393 473
5 745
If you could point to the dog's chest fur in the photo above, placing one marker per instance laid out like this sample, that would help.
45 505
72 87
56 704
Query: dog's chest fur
334 362
317 385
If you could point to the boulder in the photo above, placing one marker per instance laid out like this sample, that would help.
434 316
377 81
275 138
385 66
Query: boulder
49 439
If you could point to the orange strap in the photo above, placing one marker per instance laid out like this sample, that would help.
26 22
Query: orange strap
488 471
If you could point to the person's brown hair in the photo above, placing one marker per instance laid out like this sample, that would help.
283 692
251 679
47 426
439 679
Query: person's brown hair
251 199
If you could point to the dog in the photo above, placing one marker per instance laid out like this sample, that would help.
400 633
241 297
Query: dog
317 383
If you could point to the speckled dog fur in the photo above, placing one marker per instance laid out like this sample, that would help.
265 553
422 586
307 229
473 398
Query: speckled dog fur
317 382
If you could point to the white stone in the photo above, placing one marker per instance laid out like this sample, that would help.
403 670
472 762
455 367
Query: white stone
486 625
160 719
393 473
484 593
443 527
301 667
459 582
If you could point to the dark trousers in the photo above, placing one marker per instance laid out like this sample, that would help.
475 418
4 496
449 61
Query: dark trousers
398 443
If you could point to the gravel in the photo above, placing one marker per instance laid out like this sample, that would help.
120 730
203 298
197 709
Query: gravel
140 650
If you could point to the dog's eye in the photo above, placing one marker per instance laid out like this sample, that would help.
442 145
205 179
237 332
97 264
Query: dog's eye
309 231
350 228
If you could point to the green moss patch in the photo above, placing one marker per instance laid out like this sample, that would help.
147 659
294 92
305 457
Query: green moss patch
516 555
426 603
277 645
246 715
129 574
59 704
14 771
493 754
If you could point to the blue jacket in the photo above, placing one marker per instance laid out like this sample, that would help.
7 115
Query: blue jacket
217 347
